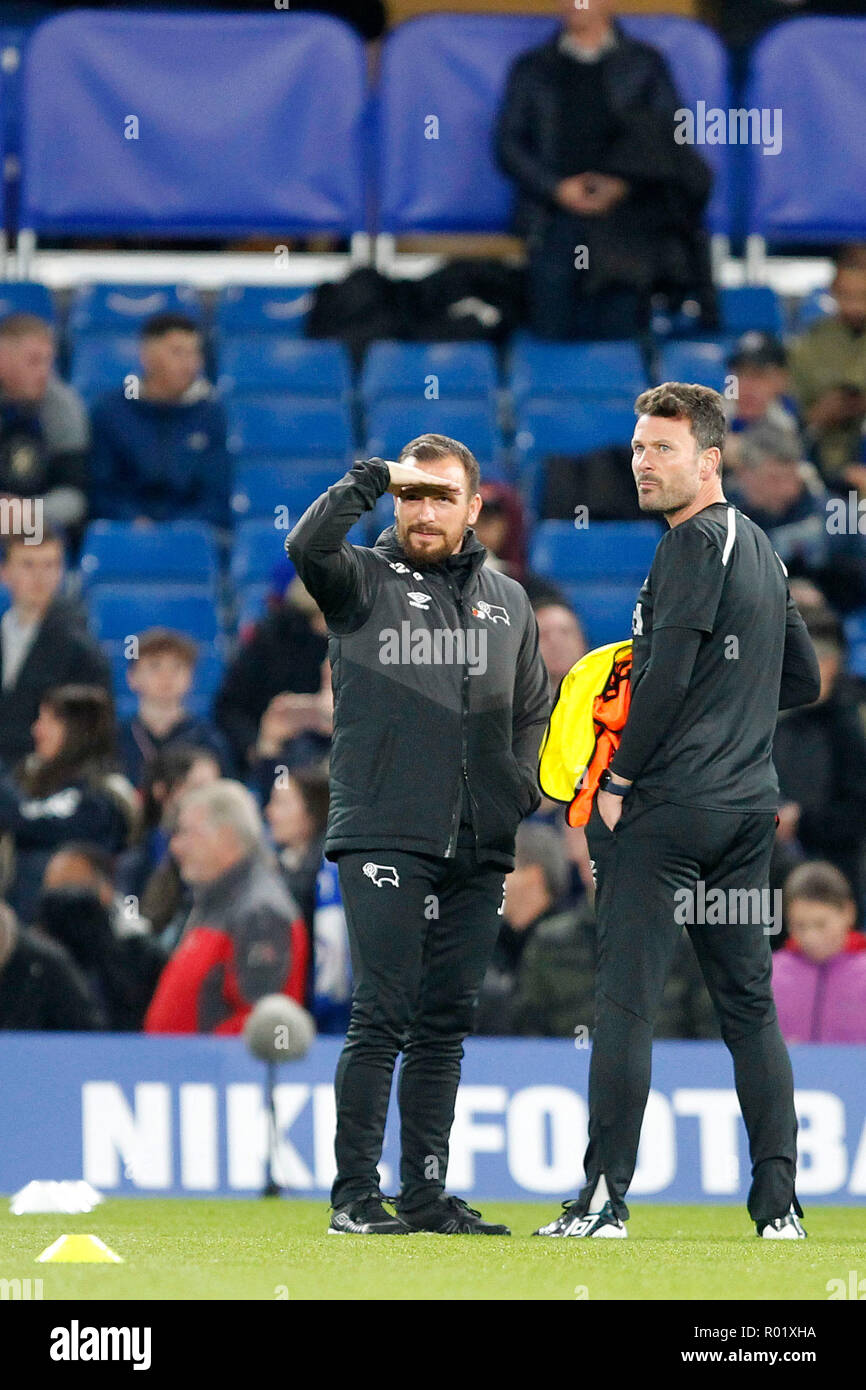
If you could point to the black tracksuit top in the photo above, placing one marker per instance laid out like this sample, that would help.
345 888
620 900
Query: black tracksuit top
471 707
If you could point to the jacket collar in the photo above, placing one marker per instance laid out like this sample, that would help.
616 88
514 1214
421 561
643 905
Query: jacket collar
467 560
213 897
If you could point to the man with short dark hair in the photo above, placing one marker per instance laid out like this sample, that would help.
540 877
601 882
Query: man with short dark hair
440 701
44 642
681 829
159 452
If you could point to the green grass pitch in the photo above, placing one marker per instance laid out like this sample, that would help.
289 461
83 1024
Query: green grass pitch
278 1249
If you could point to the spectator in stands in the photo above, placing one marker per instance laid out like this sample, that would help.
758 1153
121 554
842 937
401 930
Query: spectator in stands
77 909
501 529
44 432
560 638
41 990
149 871
161 677
295 732
331 982
284 657
609 203
785 497
543 980
535 893
759 366
43 642
83 864
161 455
297 814
819 976
67 789
828 375
245 937
820 756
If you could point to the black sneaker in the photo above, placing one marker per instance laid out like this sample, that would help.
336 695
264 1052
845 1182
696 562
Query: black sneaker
604 1224
366 1217
451 1216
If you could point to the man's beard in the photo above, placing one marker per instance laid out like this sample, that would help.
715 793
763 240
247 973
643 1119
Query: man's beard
429 554
659 501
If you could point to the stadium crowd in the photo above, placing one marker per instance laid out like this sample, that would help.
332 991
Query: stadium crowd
161 858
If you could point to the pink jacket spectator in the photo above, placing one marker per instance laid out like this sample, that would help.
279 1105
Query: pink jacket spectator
822 1003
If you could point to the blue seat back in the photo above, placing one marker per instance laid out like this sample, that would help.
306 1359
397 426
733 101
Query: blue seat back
814 189
193 124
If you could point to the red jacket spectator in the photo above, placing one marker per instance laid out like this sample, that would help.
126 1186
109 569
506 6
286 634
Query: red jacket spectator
245 937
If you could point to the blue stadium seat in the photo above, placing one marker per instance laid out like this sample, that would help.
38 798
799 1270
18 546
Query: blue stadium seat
101 363
392 422
621 550
572 426
118 611
297 428
751 308
466 370
118 308
241 139
259 309
609 370
855 634
181 552
259 488
258 546
26 297
566 426
261 363
443 176
605 610
252 603
703 363
814 188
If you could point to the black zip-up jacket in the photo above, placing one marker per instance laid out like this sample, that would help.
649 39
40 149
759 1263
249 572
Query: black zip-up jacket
408 733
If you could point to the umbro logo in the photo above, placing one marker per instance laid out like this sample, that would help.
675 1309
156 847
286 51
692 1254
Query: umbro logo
419 600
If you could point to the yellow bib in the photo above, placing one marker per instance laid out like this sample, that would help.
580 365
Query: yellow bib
570 737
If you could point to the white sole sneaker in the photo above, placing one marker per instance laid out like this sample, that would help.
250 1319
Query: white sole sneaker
784 1228
602 1225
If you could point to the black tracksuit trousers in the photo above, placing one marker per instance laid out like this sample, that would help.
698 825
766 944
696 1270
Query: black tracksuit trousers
656 849
421 932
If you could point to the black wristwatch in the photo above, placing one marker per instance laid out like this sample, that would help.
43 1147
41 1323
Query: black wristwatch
606 784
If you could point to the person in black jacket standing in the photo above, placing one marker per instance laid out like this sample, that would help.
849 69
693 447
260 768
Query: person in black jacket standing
682 826
440 703
609 203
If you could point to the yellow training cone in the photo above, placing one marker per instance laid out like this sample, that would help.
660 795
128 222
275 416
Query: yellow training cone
78 1250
